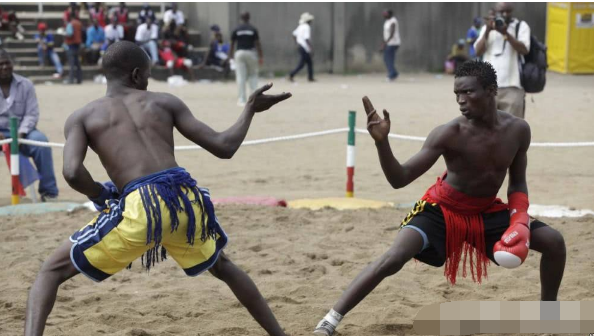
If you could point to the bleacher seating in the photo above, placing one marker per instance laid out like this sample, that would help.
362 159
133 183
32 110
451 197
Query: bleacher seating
24 52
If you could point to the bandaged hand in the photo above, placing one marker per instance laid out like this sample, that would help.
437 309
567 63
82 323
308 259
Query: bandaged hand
108 191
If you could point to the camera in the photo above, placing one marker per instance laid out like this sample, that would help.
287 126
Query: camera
499 21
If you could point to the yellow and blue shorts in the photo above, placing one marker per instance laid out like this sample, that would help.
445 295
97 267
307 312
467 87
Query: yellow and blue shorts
117 237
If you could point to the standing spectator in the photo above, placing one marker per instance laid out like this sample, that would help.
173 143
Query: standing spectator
73 41
302 36
97 12
45 48
18 99
72 10
114 32
173 61
9 21
472 35
499 45
391 43
218 52
246 60
95 41
146 37
175 23
121 13
146 12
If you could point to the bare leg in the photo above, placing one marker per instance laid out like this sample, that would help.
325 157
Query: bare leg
407 244
54 271
247 293
551 244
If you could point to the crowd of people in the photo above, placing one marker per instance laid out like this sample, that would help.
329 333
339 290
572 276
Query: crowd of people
166 42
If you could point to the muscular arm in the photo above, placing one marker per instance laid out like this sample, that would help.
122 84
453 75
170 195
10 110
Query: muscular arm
400 175
481 44
75 173
221 144
517 170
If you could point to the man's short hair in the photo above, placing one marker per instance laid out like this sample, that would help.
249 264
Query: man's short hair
483 71
121 58
5 54
390 12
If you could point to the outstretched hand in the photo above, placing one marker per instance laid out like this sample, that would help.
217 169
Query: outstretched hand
378 128
259 102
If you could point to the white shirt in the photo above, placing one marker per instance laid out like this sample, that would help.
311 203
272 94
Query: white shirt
302 34
143 34
114 33
178 16
506 64
395 40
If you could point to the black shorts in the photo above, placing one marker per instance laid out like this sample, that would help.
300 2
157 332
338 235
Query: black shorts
428 220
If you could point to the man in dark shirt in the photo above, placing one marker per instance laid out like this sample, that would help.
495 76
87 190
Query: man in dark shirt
246 61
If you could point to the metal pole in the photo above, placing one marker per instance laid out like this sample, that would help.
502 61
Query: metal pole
350 188
14 160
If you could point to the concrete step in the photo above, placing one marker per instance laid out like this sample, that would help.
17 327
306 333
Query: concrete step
17 53
133 7
17 44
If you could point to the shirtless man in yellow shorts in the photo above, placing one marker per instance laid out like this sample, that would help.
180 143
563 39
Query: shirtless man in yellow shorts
153 207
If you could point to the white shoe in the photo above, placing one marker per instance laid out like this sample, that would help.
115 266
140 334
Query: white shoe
324 328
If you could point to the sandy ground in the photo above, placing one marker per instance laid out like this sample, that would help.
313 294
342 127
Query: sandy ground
302 260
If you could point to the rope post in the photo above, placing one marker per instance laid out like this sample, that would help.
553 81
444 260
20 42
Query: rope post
14 160
350 187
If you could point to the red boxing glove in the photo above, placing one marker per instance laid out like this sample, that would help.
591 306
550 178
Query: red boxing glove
512 249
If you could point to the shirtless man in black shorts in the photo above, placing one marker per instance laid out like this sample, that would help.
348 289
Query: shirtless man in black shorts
460 216
152 204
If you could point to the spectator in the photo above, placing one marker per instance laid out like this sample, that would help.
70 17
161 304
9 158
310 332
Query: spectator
173 14
458 56
499 45
72 10
18 99
95 41
9 21
97 12
146 12
302 36
246 61
146 37
472 35
73 41
176 37
218 52
122 14
45 48
172 61
114 32
391 43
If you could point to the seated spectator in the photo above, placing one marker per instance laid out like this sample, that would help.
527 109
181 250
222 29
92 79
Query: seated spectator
174 20
123 16
218 52
172 61
72 10
146 12
146 37
45 48
95 41
176 38
9 21
97 12
18 99
458 56
114 32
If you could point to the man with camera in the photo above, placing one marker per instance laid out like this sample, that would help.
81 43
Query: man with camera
501 42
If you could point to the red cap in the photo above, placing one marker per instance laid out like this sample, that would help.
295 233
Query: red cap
41 26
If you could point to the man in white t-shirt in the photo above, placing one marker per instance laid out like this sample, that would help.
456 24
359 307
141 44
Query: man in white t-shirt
391 42
302 36
499 45
174 14
146 37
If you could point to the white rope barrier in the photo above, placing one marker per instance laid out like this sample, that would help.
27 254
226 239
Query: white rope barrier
309 135
533 144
